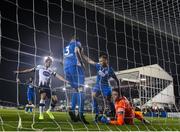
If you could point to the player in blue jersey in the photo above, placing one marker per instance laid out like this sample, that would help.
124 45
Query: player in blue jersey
104 73
30 95
74 72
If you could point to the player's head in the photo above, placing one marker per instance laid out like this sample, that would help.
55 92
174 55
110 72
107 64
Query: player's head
48 61
103 60
116 94
30 79
74 37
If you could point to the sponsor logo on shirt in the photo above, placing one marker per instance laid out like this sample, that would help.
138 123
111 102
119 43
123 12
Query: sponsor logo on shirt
103 74
46 73
30 86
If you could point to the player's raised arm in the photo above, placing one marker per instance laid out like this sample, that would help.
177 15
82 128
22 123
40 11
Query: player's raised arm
90 61
25 71
115 78
79 55
61 78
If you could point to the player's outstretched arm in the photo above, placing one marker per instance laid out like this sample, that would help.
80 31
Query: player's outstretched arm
61 78
25 71
79 53
90 61
119 120
116 79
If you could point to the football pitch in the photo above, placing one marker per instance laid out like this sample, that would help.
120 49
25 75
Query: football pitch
17 120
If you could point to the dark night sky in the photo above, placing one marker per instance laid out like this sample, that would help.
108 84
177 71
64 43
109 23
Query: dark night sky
136 46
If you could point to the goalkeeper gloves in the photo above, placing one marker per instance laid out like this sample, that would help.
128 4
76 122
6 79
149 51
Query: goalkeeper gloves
105 120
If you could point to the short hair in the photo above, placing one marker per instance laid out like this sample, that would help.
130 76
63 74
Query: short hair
31 78
104 56
75 37
28 80
118 90
49 58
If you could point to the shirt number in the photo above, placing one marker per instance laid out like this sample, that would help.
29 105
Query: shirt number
67 51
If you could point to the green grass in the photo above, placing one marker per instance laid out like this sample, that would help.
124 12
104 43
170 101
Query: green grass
9 120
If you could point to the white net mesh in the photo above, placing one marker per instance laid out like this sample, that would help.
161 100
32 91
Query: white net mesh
140 37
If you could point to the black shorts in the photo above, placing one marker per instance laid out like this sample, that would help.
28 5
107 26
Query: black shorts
47 90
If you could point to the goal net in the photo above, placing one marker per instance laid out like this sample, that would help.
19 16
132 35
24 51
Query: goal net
141 39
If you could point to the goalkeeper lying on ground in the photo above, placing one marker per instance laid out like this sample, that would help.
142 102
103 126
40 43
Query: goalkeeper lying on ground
125 113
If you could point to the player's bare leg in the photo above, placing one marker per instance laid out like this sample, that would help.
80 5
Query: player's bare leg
54 100
42 105
139 116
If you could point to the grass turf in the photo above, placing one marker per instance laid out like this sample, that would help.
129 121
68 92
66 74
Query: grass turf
9 121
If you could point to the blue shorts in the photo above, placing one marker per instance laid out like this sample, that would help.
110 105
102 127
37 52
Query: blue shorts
75 75
105 90
30 96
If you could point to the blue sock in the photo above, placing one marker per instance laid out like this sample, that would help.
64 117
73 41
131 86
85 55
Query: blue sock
95 106
81 103
30 109
26 109
74 102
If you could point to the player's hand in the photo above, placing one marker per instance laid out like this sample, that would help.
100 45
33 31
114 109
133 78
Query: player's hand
83 65
18 80
15 72
67 82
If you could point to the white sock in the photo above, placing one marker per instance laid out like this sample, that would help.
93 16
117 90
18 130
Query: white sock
42 106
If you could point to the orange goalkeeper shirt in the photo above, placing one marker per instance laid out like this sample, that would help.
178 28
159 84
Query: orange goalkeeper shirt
124 111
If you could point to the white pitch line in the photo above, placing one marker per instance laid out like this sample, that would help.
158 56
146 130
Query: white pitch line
2 123
98 126
71 125
59 127
33 122
15 127
20 123
64 122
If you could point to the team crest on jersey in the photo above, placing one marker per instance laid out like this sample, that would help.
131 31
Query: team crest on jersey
101 73
46 73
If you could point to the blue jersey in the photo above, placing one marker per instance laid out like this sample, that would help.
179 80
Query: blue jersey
70 58
30 88
103 75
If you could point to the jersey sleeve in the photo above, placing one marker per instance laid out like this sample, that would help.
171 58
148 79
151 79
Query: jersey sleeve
120 112
118 121
53 73
38 67
78 44
111 72
97 65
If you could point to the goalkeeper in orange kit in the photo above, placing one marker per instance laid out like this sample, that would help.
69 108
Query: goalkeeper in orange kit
125 113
